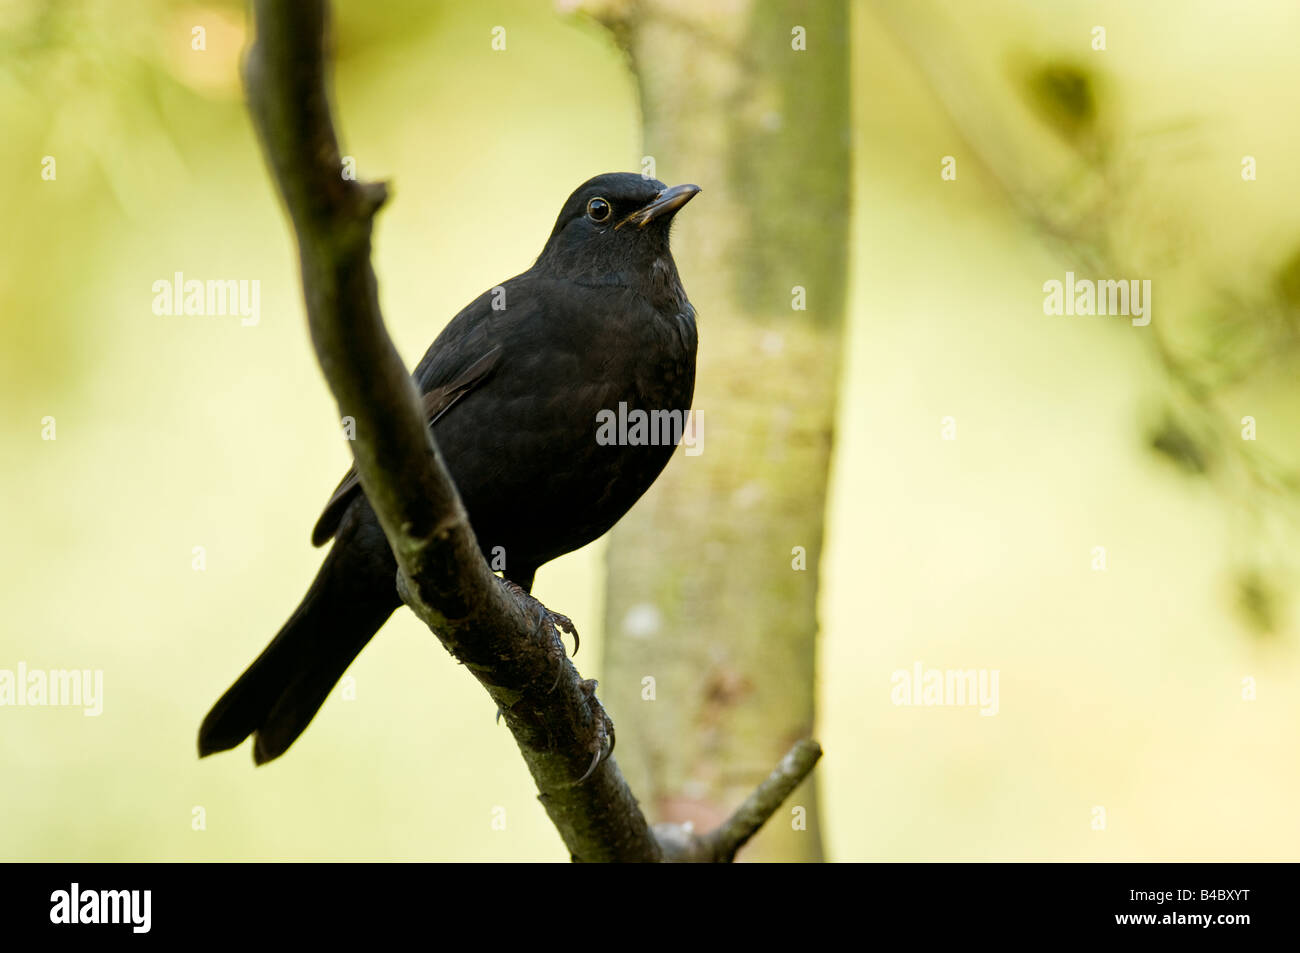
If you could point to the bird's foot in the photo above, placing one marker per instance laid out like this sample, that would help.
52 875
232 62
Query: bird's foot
602 742
549 622
604 729
558 623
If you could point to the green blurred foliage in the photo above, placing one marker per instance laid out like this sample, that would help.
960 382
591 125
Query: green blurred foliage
1064 96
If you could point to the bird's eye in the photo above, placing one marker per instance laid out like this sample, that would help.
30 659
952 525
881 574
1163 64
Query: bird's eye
598 210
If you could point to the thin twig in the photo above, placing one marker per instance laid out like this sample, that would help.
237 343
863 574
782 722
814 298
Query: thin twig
720 845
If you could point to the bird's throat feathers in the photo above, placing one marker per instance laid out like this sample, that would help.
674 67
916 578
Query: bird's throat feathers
665 289
645 267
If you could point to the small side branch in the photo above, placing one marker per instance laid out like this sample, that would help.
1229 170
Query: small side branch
720 846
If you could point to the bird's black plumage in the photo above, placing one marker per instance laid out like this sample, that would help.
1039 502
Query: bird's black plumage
512 388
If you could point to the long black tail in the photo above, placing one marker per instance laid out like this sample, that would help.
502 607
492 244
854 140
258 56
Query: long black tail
276 698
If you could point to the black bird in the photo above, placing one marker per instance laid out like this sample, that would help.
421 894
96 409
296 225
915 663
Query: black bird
513 388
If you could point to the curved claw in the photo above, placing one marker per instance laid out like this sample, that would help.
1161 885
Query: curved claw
498 718
602 754
595 763
558 623
604 731
563 623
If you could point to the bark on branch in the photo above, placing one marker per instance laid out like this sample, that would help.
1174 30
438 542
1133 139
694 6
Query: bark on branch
442 575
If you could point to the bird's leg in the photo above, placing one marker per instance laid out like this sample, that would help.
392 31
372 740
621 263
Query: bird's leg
603 742
604 729
560 623
551 622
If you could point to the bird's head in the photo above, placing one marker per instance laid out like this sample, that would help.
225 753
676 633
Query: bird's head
615 225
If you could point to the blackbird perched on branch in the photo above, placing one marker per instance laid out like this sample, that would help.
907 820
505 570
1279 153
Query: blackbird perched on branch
517 389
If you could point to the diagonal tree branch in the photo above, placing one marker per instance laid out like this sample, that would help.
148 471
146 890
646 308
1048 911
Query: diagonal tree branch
442 576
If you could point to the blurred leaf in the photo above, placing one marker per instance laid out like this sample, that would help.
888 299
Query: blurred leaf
1257 602
1064 95
1288 280
1172 439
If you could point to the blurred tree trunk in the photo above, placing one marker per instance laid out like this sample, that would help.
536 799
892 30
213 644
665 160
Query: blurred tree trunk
703 593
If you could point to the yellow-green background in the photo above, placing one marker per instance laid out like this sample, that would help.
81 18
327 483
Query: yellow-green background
1120 689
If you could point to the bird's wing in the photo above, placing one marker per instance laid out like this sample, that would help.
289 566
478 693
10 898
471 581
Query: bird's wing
437 402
